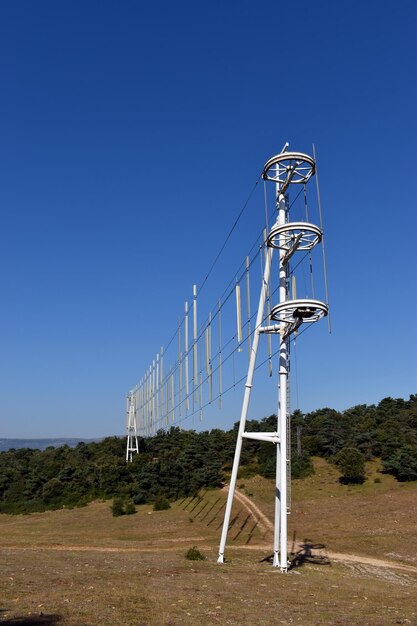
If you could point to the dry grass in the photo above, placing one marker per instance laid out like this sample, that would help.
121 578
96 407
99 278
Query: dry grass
373 519
85 568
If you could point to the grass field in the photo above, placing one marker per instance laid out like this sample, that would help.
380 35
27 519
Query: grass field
83 567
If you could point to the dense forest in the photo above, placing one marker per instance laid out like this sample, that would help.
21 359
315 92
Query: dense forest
179 462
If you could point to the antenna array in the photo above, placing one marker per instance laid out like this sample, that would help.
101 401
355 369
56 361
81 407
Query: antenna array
204 361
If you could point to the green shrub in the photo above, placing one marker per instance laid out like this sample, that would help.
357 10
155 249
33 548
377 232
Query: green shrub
268 469
139 498
249 470
194 554
161 504
352 465
301 465
402 463
117 507
130 508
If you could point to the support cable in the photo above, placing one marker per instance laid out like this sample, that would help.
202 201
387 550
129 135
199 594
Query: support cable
235 383
229 235
243 378
225 299
322 241
172 338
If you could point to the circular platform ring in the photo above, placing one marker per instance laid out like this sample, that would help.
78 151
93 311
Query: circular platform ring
277 168
292 310
283 236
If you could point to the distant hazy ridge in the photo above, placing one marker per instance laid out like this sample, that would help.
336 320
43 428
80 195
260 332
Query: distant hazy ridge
40 444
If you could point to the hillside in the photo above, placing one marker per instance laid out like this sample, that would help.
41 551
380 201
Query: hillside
356 561
179 463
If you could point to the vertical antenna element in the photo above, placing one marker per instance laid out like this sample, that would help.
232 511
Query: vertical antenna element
179 371
161 385
145 400
210 372
146 403
153 393
309 252
127 410
248 303
138 408
219 332
206 334
150 398
195 355
167 399
201 396
238 316
268 308
172 398
157 388
187 389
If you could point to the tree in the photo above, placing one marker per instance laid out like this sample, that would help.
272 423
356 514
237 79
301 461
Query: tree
301 465
161 504
402 463
352 465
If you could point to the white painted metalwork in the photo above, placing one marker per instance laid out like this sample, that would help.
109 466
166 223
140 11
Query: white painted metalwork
292 313
179 372
280 558
282 319
219 333
157 387
132 435
195 354
248 304
161 382
209 367
187 384
302 235
289 167
245 406
238 315
268 307
306 310
154 403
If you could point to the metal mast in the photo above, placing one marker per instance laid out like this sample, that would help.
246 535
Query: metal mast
131 427
286 317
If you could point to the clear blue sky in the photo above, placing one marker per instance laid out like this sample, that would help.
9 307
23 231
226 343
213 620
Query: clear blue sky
131 135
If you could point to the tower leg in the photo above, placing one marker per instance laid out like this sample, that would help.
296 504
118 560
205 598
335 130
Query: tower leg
280 536
282 460
245 405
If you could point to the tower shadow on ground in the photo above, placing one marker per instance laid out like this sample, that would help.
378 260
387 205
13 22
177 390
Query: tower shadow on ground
304 555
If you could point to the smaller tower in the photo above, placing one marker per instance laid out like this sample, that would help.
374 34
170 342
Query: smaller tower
132 435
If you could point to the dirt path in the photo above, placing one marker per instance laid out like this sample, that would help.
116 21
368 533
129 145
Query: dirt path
333 556
366 560
267 526
264 523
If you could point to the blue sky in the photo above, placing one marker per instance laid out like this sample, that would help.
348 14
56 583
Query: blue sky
131 136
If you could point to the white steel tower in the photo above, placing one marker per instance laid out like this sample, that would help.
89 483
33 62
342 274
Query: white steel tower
285 169
131 427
